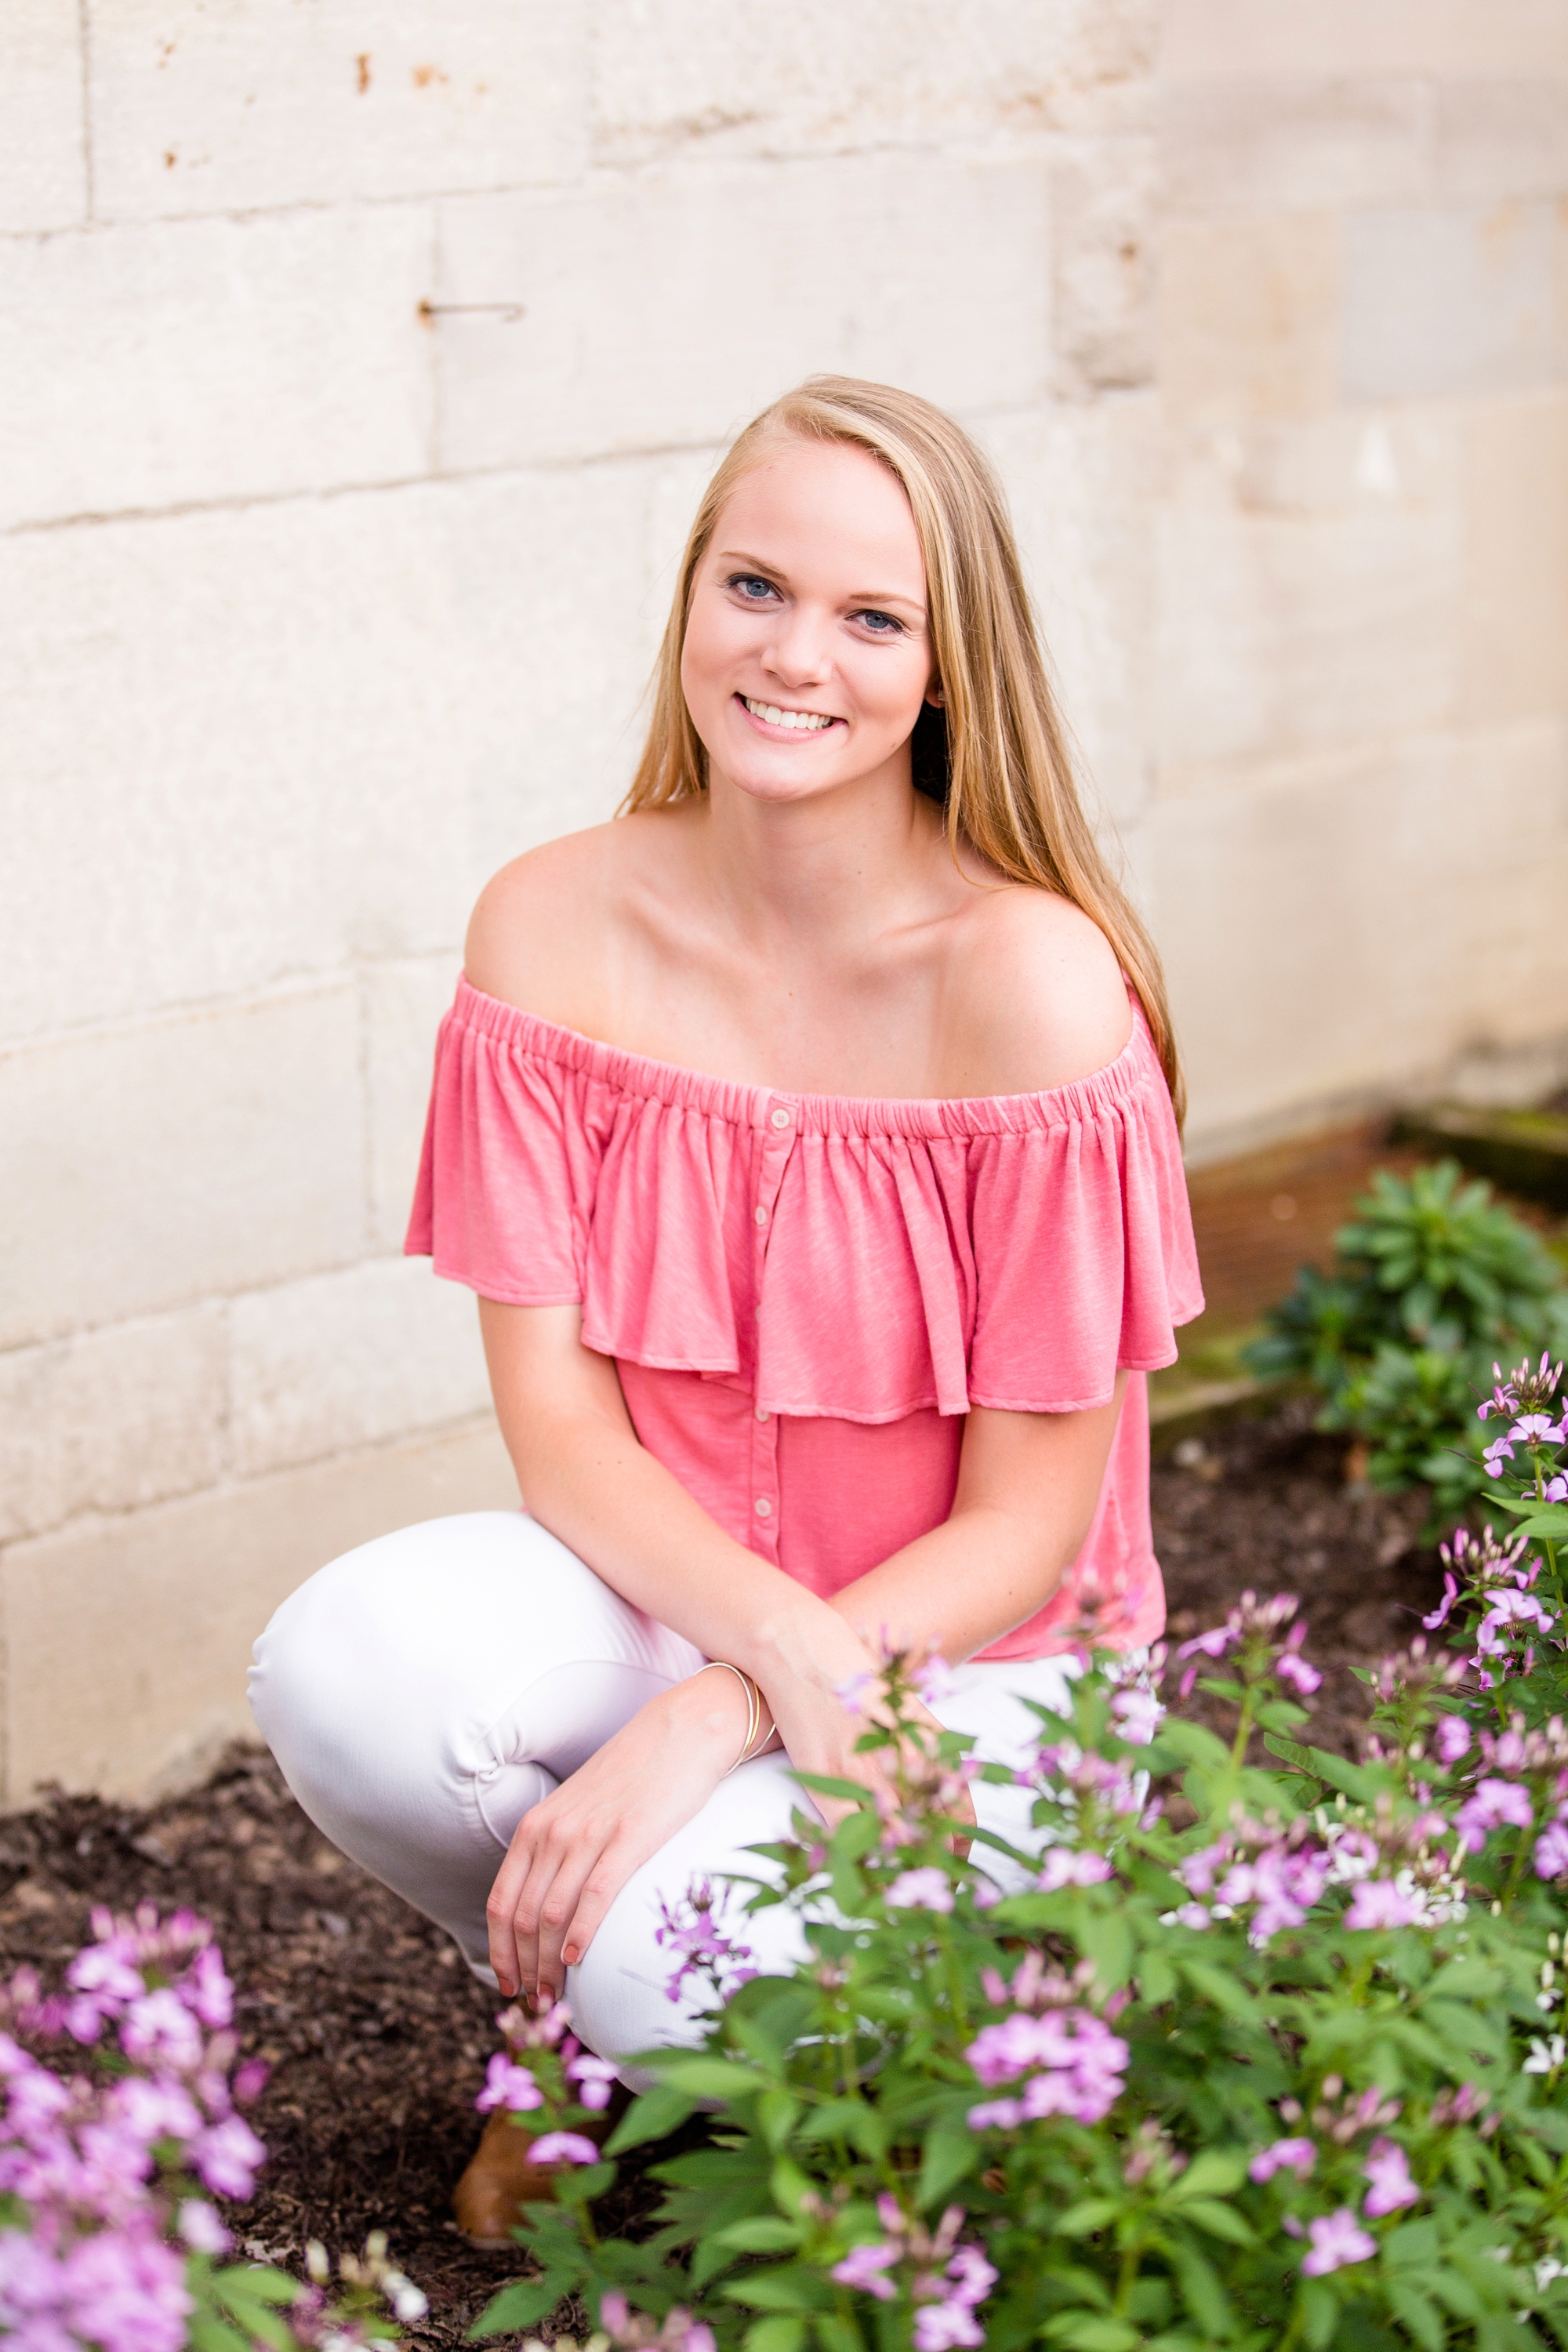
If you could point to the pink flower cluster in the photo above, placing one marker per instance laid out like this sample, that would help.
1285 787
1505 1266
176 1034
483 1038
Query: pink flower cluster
1500 1578
634 2331
1067 2059
1337 2240
1096 1791
1253 1628
513 2085
101 2168
1519 1398
692 1928
949 2281
1276 1874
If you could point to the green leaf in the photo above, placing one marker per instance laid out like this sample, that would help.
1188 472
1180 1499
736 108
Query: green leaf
1204 2295
712 2078
836 2332
1157 1978
1289 1751
1219 1988
763 2233
789 2289
1106 1938
790 2186
780 2334
776 2114
1090 2213
581 2188
1215 2172
1320 2309
206 2333
1421 2317
821 1786
239 2287
1219 2220
517 2305
655 2115
849 2119
1090 2331
951 2150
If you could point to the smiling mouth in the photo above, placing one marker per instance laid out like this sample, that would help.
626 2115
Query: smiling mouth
804 722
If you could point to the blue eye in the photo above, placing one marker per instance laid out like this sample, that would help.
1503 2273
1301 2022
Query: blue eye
882 625
748 584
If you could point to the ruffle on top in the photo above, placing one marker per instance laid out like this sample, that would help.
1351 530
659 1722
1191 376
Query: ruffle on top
828 1255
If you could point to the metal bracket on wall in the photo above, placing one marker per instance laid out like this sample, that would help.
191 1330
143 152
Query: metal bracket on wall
505 311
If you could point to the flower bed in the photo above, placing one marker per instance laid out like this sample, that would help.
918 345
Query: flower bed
1283 2069
378 2044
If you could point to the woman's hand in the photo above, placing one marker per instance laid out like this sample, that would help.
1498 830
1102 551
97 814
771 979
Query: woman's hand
820 1735
570 1856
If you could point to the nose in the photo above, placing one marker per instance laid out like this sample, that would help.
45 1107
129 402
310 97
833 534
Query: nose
799 649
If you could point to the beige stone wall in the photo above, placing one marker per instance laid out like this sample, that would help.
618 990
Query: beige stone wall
1357 836
326 583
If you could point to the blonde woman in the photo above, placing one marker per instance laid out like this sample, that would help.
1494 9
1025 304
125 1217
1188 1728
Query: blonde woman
808 1136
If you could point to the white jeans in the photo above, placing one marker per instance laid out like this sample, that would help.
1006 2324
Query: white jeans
424 1691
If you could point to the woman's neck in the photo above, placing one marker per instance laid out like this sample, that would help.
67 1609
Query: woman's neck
834 868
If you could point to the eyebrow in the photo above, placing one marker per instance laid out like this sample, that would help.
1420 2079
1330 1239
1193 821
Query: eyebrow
860 596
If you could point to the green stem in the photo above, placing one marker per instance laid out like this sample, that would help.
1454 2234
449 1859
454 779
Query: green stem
1292 2336
1243 1730
1127 2277
1521 1854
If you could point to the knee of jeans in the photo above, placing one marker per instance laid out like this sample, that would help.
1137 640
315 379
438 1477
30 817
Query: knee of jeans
307 1686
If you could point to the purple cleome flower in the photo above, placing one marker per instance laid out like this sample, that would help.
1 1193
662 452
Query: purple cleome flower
509 2086
1552 1850
1388 2169
929 1889
690 1927
1379 1903
98 2168
864 2267
1493 1804
1064 1867
1338 2240
1297 2156
1081 2068
562 2148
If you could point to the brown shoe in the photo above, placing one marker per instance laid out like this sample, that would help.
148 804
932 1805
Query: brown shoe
499 2181
488 2201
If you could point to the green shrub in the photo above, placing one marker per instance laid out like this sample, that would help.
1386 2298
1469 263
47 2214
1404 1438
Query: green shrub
1275 2060
1433 1281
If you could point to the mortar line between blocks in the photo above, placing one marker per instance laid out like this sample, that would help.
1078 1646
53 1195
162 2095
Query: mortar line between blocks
84 45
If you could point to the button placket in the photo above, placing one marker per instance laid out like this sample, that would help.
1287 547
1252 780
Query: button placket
777 1143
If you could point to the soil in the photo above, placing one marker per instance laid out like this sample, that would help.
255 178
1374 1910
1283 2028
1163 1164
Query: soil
378 2037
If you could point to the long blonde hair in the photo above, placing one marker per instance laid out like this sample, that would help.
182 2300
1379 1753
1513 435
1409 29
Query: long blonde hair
1004 774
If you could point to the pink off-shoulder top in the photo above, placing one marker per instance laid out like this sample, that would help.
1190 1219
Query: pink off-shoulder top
805 1294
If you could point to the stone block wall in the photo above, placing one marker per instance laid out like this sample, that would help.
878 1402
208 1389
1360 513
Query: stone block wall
363 367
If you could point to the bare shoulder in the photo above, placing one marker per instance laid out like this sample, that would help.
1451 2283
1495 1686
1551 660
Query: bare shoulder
542 933
1037 998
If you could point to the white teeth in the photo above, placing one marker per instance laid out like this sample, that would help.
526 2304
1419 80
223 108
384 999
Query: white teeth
809 722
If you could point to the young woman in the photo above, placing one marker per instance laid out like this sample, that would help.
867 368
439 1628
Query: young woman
807 1135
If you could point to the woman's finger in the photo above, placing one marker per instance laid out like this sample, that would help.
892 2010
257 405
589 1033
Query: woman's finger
552 1918
519 1890
600 1886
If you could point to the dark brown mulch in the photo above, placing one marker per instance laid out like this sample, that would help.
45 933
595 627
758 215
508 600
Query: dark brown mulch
1265 1506
378 2036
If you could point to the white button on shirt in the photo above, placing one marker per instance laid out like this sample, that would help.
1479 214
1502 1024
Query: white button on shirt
764 1509
760 1213
779 1117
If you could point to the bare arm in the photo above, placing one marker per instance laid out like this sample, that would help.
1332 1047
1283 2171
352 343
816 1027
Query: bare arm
1026 1493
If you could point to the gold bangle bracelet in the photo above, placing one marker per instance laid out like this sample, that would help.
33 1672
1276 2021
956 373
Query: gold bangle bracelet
754 1709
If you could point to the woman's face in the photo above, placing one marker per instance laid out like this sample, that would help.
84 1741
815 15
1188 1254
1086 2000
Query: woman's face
807 652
